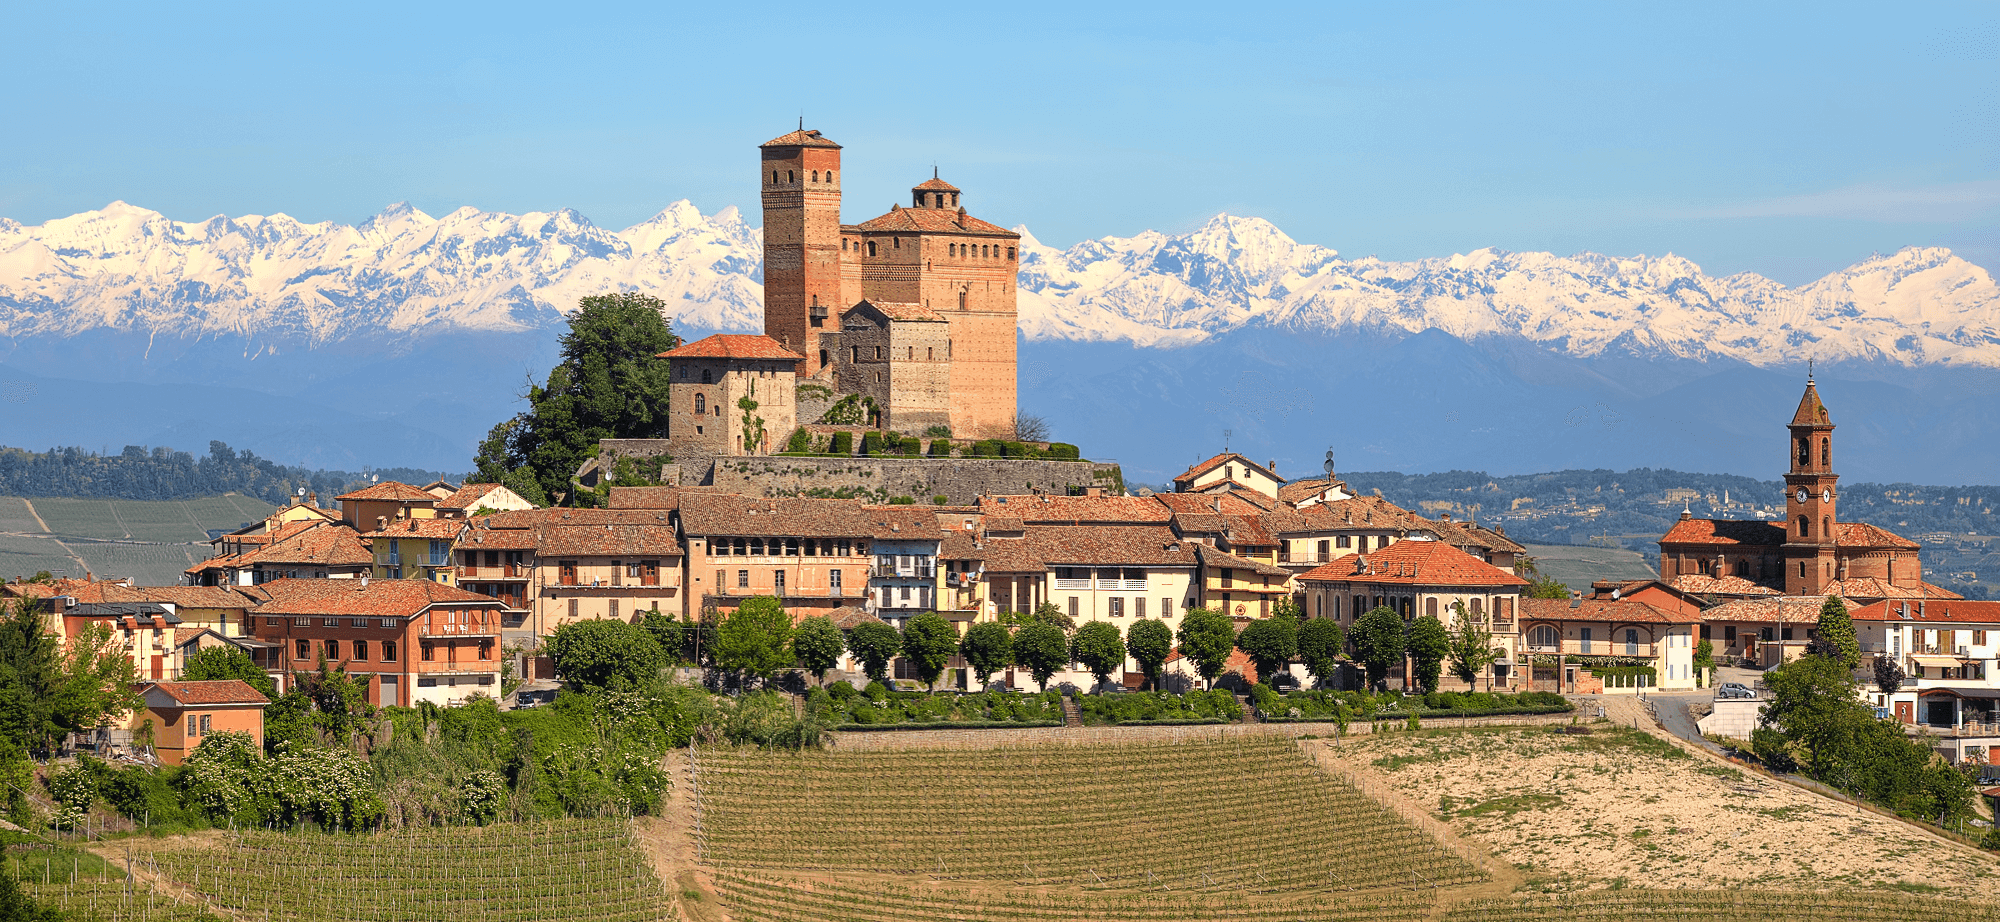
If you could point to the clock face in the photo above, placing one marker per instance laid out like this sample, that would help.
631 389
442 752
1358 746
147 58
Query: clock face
1825 495
1803 494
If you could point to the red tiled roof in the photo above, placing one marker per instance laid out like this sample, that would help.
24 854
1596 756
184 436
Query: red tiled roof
437 529
195 596
1789 609
1718 585
800 138
1811 411
468 496
1862 534
848 617
607 540
1870 587
1212 559
734 346
319 544
902 311
1622 611
1726 532
218 691
387 598
932 221
1470 534
1360 513
1960 611
1231 503
704 514
1304 487
934 184
1109 545
498 539
1217 461
1078 510
390 490
1414 563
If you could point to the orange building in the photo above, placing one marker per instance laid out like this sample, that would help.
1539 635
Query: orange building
183 713
917 266
410 640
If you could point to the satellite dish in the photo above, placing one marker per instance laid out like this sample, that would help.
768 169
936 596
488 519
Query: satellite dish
1329 462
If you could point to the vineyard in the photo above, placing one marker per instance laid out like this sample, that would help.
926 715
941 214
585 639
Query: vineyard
1704 905
589 871
1165 817
147 520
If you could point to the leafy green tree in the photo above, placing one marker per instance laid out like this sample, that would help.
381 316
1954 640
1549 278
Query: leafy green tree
1048 613
928 643
874 644
1470 648
1429 644
988 648
817 645
1837 629
1544 588
29 670
1289 609
94 680
1813 703
1321 642
756 638
215 663
607 383
1378 642
1150 643
1099 648
1040 648
1704 655
597 654
1206 637
667 631
1270 643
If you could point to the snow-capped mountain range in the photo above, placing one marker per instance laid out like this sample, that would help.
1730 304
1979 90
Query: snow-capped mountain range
403 272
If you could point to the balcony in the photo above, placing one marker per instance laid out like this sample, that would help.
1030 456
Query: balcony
458 630
880 572
492 573
793 592
1073 583
1313 559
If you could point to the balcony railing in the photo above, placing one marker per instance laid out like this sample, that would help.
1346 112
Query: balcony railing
471 571
1314 558
903 572
457 630
794 592
1072 583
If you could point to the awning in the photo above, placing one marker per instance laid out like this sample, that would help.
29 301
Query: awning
1936 661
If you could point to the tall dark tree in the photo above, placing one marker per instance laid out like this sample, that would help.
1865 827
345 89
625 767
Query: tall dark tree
1270 643
1378 642
988 647
1836 629
1320 644
1150 643
874 644
1206 637
607 383
30 669
1040 648
1429 644
928 643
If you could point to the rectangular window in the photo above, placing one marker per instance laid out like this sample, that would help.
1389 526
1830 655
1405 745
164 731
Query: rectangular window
1704 632
611 611
617 573
1228 577
388 651
385 622
361 650
743 579
1631 642
1583 636
905 597
649 573
1117 607
305 649
1343 541
1075 607
719 575
1979 638
1166 607
567 571
1139 607
833 580
778 583
395 552
333 649
206 725
440 553
1787 633
1729 633
572 609
1764 634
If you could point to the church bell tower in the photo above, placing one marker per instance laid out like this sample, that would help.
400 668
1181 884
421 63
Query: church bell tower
1811 499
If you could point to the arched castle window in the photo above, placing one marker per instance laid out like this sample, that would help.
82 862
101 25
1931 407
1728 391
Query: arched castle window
871 247
1805 527
700 403
815 176
961 300
1826 526
1826 452
1543 636
829 175
774 177
951 249
791 177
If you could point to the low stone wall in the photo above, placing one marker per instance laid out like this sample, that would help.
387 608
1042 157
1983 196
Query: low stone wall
959 480
1003 737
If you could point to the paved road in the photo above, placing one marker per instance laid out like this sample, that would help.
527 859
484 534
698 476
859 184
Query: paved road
1674 716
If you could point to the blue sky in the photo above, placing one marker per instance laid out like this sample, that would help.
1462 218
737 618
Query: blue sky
1786 140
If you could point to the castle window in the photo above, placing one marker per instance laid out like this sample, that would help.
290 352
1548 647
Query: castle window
878 353
774 177
857 354
930 352
985 251
1805 452
705 379
1805 527
951 249
823 357
898 241
700 403
1010 252
871 247
791 177
815 176
829 175
913 353
1826 526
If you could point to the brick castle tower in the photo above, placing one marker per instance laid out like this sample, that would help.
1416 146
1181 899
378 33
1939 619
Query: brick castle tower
915 308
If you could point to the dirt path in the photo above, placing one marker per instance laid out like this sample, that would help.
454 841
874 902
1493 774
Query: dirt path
143 872
668 841
1502 878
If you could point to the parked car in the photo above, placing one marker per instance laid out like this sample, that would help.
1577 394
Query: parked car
1283 682
1732 690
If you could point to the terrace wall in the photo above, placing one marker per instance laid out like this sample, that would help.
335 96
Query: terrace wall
873 740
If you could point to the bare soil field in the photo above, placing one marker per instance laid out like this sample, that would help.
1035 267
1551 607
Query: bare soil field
1623 808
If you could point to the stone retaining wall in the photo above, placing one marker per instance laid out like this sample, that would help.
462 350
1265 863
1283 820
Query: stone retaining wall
1003 737
959 480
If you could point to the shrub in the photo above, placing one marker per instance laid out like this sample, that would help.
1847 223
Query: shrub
871 443
842 690
875 691
801 441
940 448
940 500
985 448
842 444
1061 451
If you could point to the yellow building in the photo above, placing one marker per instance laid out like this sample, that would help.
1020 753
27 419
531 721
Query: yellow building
416 548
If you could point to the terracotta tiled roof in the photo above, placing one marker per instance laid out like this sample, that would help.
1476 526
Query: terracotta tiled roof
30 590
1725 532
1013 555
1359 513
1791 609
932 221
959 544
435 529
1958 611
734 346
800 138
1213 559
498 539
184 634
848 617
1414 563
607 540
221 597
902 523
387 598
901 311
468 496
390 490
1078 510
1698 584
1234 530
1811 411
727 514
1110 545
1623 611
1469 534
1870 588
1217 461
320 544
216 692
934 184
1304 487
1231 503
1004 524
1862 534
653 497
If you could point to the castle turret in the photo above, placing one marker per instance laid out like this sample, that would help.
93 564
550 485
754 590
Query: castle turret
800 172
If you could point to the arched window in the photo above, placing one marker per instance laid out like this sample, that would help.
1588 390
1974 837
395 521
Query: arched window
871 247
705 377
700 403
857 354
1742 568
829 175
815 175
1431 607
1805 527
1805 452
961 300
1544 636
791 177
1825 452
913 353
1826 526
951 249
823 358
774 177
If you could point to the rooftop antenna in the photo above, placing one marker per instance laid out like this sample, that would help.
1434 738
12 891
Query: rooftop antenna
802 119
1226 433
1809 370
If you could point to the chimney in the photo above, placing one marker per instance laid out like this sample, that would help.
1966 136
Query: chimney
381 522
1273 466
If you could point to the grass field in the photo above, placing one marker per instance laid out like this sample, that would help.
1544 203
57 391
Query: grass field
149 541
1579 566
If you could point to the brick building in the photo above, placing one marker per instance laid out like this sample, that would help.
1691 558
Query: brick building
822 277
731 395
181 714
410 640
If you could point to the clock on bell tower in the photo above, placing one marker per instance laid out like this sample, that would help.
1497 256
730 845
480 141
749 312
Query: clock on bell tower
1812 494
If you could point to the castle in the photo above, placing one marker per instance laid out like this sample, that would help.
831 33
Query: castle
913 309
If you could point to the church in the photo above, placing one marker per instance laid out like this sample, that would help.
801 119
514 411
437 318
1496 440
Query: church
1810 554
913 309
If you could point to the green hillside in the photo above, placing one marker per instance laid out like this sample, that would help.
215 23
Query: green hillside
151 541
